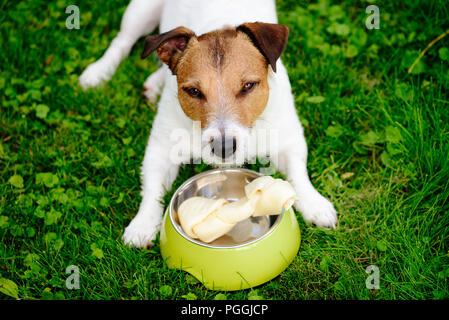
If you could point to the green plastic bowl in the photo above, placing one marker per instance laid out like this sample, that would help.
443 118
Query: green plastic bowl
229 262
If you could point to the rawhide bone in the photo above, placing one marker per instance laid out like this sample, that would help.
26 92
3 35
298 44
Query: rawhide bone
208 219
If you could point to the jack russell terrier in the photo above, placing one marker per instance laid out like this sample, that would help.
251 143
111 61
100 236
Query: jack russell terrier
222 86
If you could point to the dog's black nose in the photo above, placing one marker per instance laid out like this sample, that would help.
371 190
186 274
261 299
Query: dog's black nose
224 146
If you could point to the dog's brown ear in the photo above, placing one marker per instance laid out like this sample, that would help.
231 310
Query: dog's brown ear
269 38
169 45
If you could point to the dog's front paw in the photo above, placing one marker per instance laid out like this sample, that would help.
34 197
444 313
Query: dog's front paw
318 210
94 75
141 233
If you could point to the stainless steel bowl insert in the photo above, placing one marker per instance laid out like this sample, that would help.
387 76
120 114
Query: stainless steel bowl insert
226 183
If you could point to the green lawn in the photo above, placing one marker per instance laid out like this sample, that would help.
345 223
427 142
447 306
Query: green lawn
378 148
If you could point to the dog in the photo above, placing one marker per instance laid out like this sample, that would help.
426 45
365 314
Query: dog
223 86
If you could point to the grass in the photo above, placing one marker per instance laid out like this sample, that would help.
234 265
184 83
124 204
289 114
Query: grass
378 142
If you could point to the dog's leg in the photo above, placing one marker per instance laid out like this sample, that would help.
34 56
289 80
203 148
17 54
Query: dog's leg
140 18
158 171
153 85
314 207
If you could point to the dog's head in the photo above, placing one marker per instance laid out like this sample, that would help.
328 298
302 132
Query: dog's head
222 78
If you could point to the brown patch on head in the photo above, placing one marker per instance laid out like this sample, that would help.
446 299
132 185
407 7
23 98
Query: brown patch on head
222 75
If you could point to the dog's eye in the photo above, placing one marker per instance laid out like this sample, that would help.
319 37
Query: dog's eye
247 87
194 92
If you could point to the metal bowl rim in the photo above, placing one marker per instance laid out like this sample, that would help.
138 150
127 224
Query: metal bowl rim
200 175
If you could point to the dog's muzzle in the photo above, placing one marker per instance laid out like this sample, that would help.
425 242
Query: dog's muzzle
223 146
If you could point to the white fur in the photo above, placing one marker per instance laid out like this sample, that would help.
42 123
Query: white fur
153 85
140 18
288 154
